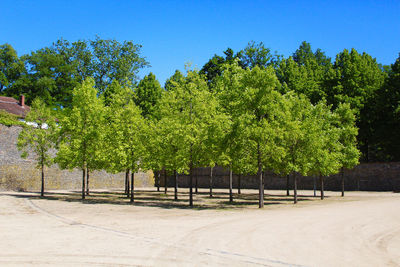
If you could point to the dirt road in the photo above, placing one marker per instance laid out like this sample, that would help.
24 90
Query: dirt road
363 229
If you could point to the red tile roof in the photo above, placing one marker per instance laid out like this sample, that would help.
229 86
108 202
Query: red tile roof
13 106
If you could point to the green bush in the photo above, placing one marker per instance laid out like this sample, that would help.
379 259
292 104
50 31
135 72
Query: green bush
9 119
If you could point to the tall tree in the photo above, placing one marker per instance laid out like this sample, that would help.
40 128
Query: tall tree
187 115
297 138
81 130
326 148
357 78
251 99
387 119
125 134
39 137
344 120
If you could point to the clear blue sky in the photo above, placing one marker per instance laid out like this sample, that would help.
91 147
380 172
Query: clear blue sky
175 32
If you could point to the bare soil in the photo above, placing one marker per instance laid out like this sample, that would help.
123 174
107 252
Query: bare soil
361 229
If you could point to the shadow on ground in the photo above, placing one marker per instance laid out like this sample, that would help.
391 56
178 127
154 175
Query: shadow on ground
154 198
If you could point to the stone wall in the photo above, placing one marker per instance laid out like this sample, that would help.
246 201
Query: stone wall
364 177
21 174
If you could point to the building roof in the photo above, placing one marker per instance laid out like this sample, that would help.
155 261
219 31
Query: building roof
14 106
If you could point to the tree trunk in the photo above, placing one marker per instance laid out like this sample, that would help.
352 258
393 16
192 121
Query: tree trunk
83 182
295 187
315 186
42 187
191 184
342 172
211 181
165 182
287 185
126 181
196 181
128 185
87 181
158 180
321 178
132 186
176 185
230 185
239 183
261 183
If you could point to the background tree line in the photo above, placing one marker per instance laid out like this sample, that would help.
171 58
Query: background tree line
371 90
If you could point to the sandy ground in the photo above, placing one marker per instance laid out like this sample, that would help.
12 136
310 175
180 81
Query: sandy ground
362 229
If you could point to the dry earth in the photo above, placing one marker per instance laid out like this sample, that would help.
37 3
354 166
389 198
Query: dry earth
362 229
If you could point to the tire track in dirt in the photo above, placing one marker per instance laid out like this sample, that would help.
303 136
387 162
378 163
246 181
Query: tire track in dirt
176 246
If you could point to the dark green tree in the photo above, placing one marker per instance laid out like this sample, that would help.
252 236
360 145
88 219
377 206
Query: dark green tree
11 68
356 80
387 115
148 93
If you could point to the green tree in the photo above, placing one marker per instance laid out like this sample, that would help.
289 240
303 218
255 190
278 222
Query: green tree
125 134
81 133
304 53
11 67
113 60
344 120
188 113
324 139
214 67
387 119
297 138
250 97
356 79
148 93
39 137
170 83
307 73
256 54
54 71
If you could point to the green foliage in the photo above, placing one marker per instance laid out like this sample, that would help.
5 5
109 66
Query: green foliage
9 119
125 132
53 72
11 67
307 73
173 80
250 99
81 134
386 121
148 93
188 119
112 60
214 67
38 138
256 54
357 77
345 122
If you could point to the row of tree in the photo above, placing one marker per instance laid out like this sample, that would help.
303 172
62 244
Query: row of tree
372 90
243 122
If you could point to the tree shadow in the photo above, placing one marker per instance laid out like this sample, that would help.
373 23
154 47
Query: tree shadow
149 198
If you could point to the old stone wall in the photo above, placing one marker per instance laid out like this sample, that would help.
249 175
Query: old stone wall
21 174
364 177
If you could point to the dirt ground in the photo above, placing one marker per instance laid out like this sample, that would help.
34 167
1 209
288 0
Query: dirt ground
361 229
